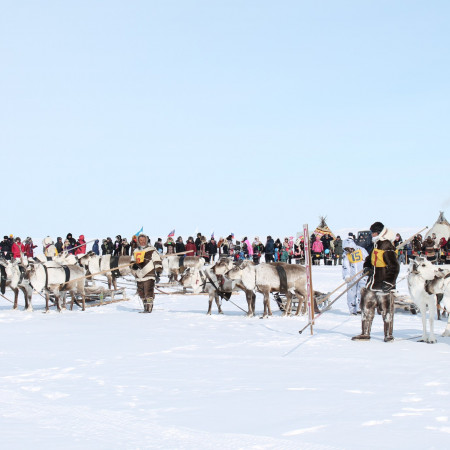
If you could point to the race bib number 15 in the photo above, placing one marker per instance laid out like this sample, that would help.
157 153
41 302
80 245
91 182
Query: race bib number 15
355 257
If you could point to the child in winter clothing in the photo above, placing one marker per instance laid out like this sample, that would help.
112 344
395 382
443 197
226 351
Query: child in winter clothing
353 262
317 249
284 255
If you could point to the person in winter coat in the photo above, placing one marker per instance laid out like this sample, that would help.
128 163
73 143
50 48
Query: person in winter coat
354 257
317 249
147 266
81 244
382 267
222 245
338 250
428 247
204 249
72 241
416 246
284 255
278 248
118 245
95 248
134 244
400 253
198 243
326 240
170 245
159 246
49 248
125 247
191 247
269 249
5 246
59 245
447 251
104 247
29 247
212 249
109 246
441 250
288 245
67 247
17 249
247 248
230 245
258 249
179 245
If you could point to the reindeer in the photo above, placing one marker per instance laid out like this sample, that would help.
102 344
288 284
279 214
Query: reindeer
207 281
53 278
425 281
176 265
221 268
94 264
274 277
16 280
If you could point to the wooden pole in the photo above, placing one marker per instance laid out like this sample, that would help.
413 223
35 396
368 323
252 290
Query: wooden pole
341 285
309 289
78 246
411 238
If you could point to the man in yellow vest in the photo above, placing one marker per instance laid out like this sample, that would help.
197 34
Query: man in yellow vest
382 267
147 265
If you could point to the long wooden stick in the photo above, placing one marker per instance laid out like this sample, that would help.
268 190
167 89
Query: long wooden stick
410 238
175 254
78 246
334 301
10 301
341 285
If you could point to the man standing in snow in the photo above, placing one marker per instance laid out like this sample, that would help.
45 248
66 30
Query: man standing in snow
338 251
147 265
354 257
382 267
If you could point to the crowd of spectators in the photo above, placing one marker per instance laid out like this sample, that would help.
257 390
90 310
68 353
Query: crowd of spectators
324 248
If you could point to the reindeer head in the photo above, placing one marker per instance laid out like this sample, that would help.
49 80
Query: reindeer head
192 278
83 261
36 276
222 266
235 273
423 267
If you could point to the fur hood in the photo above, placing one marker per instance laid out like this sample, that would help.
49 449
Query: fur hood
385 235
349 243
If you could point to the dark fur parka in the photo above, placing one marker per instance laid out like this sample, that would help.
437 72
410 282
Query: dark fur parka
383 274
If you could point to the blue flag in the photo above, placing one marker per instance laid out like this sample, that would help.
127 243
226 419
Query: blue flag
139 232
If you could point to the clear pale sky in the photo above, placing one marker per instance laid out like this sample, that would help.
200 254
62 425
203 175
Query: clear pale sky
251 117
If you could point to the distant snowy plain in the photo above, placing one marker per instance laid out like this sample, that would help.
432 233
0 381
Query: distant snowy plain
112 378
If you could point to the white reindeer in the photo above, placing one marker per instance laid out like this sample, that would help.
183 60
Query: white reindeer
424 282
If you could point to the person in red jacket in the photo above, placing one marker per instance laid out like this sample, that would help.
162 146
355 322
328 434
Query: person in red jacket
191 247
29 247
81 250
17 248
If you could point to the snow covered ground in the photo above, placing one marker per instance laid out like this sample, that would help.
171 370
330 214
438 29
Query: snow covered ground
112 378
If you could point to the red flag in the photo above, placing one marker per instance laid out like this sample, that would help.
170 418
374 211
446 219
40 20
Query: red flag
172 233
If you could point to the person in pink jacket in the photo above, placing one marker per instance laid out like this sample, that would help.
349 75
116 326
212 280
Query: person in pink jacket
317 249
249 249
